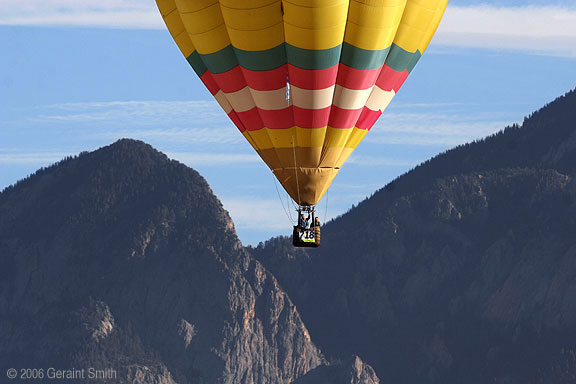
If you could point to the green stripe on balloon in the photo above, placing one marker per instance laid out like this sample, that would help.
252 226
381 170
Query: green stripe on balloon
262 60
196 63
221 61
354 57
313 59
229 57
401 60
362 59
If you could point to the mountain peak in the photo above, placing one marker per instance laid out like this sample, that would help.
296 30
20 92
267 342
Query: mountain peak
127 176
132 150
131 259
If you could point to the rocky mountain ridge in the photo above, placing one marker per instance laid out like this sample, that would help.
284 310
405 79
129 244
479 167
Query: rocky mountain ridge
123 259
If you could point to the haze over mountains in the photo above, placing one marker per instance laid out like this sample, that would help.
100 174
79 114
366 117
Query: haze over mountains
461 271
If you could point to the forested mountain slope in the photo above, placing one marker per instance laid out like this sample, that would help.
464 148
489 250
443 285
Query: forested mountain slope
463 270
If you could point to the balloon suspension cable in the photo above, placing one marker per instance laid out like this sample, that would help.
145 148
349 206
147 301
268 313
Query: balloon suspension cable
326 208
296 169
289 201
309 209
288 215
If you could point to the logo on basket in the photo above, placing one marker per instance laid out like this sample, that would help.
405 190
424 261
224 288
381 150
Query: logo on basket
307 235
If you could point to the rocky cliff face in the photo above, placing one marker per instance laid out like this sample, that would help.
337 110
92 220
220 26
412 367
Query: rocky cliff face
124 259
461 271
351 371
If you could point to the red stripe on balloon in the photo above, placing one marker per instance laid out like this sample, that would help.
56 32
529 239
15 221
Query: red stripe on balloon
367 118
344 118
311 118
251 119
390 79
277 119
357 79
312 79
236 120
209 82
230 81
266 80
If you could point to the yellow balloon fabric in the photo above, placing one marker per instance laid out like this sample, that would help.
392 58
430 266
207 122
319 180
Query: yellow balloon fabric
303 80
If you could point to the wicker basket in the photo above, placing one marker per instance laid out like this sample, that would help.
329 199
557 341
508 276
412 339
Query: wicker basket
309 237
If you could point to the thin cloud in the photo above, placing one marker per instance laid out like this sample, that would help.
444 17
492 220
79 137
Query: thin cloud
139 112
217 159
120 20
199 121
216 135
429 105
32 158
242 213
423 140
356 187
140 104
545 30
86 13
376 161
432 129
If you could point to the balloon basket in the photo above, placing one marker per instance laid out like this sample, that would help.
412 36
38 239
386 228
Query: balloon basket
306 233
309 237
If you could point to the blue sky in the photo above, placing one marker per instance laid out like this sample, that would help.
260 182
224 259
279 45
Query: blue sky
79 74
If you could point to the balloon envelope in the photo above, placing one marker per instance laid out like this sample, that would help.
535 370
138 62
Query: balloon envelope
303 80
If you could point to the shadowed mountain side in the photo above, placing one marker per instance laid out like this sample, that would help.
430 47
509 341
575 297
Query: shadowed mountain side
546 140
124 259
352 371
461 271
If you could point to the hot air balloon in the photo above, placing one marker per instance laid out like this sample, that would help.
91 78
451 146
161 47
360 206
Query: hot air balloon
303 80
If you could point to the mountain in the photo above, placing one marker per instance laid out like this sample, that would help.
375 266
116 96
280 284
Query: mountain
460 271
351 371
124 260
463 270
